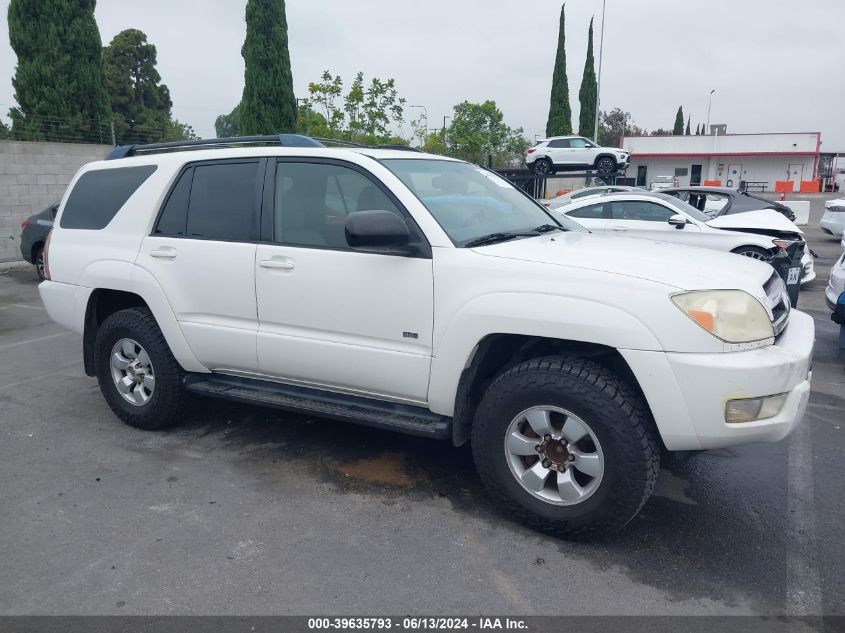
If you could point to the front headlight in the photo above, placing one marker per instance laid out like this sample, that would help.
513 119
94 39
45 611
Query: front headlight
733 316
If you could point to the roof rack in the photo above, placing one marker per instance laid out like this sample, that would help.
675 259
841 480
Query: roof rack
285 140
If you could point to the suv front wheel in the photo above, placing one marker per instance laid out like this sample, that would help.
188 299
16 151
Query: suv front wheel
566 446
543 167
137 373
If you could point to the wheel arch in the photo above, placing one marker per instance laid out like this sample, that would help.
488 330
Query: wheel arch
121 285
496 353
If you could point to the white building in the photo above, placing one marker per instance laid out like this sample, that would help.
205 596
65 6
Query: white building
762 160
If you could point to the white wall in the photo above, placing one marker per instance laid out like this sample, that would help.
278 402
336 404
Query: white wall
730 144
32 177
750 168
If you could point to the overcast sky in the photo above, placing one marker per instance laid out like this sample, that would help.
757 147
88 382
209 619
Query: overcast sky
777 66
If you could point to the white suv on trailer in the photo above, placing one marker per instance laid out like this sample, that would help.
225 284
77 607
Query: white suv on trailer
425 295
574 153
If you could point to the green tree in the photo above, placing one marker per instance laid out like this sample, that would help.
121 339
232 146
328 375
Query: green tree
311 123
613 125
588 94
227 125
177 131
268 105
560 113
58 80
697 130
436 143
365 114
478 130
678 130
140 102
688 131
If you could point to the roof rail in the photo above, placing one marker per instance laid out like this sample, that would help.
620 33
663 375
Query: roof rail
400 147
285 140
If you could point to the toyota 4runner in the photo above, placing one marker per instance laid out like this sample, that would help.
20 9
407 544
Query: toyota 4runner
425 295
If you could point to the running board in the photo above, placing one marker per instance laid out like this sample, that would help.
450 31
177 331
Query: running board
366 411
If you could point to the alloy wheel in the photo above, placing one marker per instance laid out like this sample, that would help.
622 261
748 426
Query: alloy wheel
554 455
132 372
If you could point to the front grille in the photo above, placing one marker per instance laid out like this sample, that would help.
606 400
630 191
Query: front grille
778 302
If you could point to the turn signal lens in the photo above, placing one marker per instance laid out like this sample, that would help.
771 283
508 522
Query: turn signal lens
753 409
733 316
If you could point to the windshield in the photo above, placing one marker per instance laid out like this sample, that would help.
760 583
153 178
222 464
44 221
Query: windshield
687 208
470 202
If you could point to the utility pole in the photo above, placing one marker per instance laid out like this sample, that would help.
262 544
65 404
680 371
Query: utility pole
598 76
709 105
113 139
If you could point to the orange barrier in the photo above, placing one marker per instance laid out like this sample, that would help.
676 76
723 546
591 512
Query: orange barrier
712 183
784 186
562 192
809 186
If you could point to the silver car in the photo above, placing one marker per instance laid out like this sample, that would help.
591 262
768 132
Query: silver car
833 220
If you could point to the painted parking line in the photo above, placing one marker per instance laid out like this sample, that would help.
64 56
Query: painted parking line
22 306
803 581
37 378
34 340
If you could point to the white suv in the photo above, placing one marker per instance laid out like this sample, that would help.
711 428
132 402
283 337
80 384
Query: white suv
425 295
574 153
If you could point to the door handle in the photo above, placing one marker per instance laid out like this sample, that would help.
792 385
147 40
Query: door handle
164 253
278 264
618 228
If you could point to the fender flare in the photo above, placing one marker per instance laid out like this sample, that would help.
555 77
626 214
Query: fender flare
124 276
528 314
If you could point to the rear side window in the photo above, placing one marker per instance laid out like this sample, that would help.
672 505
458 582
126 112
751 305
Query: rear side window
99 194
174 216
592 212
558 143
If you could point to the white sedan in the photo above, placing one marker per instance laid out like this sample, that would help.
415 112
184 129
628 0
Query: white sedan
836 285
833 220
657 216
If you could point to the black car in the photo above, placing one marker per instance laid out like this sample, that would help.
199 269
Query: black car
36 228
716 201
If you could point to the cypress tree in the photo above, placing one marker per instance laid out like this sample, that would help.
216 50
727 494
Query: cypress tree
678 130
698 130
689 131
589 92
560 113
268 105
58 82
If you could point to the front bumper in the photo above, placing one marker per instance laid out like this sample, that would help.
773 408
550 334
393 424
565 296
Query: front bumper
687 393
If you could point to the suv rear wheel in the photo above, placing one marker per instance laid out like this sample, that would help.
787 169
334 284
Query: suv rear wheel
543 167
138 375
566 446
605 165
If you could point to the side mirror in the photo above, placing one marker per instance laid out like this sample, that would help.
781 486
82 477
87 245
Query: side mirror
376 229
678 221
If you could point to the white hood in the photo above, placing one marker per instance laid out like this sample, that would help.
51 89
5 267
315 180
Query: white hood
682 267
763 219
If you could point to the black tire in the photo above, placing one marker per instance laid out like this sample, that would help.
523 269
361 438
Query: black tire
614 412
755 252
543 167
605 164
38 260
165 405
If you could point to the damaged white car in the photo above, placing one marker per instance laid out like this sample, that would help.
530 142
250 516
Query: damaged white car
657 216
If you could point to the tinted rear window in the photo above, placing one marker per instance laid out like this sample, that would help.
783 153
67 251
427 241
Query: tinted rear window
99 195
223 199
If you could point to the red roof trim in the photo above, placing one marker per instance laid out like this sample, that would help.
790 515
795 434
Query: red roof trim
714 154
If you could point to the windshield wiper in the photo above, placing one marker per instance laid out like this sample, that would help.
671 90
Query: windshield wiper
545 228
495 238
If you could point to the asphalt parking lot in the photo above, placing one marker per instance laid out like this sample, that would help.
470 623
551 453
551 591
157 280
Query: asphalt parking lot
248 511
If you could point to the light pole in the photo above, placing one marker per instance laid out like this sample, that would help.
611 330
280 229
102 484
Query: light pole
598 76
444 127
425 113
709 105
